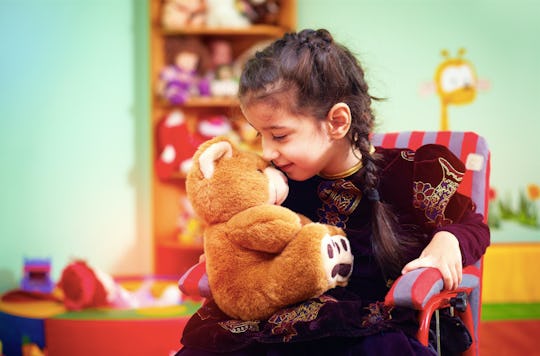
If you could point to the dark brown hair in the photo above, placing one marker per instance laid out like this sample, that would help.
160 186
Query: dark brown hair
308 73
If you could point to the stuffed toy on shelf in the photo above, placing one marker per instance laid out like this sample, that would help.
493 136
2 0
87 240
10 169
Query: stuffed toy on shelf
224 80
260 256
185 72
261 11
177 142
179 14
225 13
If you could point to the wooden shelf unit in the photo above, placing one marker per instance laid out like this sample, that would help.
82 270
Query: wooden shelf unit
171 257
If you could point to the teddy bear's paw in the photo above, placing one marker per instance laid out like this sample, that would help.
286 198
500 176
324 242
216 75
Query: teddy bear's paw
337 259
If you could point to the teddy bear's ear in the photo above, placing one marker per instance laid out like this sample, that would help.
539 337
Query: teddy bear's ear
213 153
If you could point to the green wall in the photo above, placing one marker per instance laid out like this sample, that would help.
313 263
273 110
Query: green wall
74 132
74 137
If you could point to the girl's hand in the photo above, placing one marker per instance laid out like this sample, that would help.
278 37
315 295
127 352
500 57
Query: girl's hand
444 254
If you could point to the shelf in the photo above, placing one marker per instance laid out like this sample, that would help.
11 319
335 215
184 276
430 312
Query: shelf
180 246
254 30
171 254
201 102
177 177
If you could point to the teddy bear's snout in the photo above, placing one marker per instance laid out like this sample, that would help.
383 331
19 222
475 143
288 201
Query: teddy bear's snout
277 185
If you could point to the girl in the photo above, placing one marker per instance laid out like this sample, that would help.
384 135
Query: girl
306 96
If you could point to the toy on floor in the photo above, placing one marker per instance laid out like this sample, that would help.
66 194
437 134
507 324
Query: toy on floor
36 275
86 287
260 257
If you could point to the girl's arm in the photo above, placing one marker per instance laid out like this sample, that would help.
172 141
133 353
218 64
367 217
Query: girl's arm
453 246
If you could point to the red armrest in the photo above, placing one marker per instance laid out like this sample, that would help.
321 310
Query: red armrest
195 282
416 288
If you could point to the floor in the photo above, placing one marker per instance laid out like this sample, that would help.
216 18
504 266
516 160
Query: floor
510 338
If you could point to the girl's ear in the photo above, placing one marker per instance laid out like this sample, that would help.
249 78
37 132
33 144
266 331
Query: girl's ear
339 120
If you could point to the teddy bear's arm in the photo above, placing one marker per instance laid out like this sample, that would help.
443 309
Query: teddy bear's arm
266 228
304 220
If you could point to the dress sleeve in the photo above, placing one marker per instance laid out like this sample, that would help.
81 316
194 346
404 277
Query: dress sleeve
438 206
473 236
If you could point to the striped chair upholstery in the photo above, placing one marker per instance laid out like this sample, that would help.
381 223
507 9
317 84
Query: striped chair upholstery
420 289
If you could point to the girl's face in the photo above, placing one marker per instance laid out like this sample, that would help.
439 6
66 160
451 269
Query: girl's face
298 145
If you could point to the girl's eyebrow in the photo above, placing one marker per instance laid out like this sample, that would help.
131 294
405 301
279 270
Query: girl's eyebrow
273 127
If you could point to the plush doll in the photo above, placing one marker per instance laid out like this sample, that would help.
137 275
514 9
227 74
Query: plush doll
223 82
185 73
262 11
179 14
224 13
176 143
260 256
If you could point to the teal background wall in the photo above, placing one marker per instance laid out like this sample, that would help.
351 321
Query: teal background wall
74 135
74 129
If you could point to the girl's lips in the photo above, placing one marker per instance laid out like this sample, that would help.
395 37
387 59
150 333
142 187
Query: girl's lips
285 167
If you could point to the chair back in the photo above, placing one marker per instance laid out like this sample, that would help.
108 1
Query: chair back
470 148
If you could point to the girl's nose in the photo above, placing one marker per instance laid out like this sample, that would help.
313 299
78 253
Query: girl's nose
269 153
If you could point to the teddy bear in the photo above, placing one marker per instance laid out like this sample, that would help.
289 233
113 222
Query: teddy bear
260 256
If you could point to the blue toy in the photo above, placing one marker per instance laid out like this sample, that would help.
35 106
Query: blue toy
36 275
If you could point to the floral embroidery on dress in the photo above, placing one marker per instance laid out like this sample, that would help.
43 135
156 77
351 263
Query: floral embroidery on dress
378 313
340 198
434 200
286 319
239 326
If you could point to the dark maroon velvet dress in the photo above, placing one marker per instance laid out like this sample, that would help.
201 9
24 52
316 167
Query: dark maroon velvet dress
422 188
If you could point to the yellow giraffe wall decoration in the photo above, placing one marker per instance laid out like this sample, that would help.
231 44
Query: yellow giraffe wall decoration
456 84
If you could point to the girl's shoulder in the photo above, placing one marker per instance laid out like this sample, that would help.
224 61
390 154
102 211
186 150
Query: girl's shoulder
423 154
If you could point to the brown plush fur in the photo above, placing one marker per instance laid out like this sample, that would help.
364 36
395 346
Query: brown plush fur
259 257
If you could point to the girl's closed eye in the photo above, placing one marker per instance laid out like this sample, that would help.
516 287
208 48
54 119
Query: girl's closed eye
279 137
